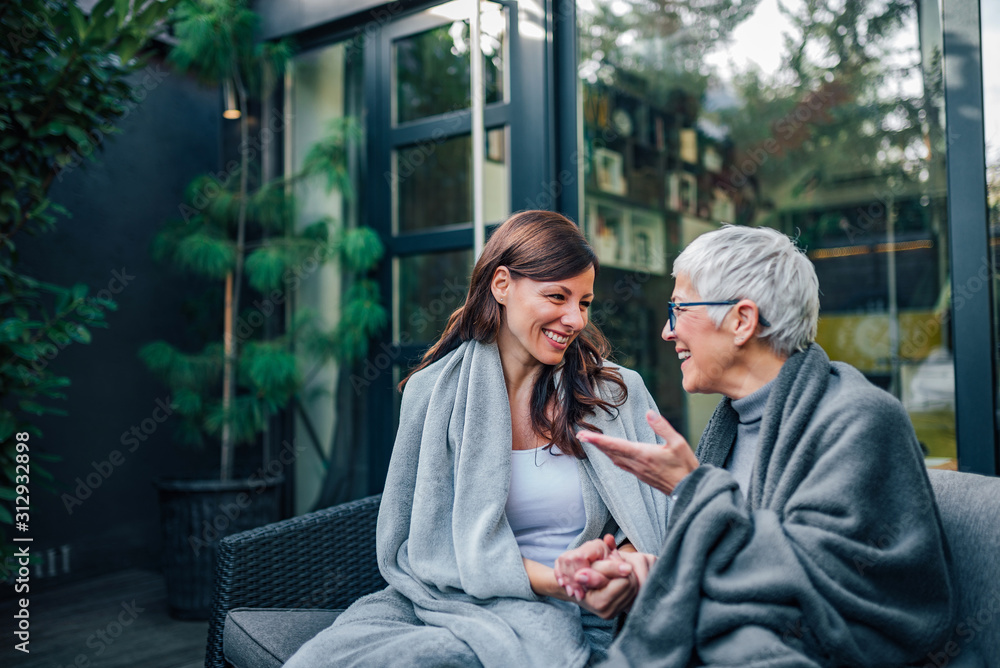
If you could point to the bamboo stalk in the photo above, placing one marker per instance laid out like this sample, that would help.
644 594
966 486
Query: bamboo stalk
234 281
226 463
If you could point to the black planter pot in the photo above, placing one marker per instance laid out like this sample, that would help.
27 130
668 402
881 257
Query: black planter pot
196 515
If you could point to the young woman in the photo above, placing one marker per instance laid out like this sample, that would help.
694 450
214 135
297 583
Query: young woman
488 484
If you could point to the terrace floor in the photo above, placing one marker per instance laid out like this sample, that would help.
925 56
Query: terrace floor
111 621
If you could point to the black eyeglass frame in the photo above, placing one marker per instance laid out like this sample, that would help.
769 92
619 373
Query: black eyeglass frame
672 318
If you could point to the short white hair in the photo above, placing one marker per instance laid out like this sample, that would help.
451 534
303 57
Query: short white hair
764 266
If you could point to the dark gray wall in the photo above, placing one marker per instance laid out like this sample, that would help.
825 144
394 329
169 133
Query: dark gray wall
117 205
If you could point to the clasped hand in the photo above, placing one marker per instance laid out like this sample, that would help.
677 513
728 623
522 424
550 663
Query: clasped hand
601 577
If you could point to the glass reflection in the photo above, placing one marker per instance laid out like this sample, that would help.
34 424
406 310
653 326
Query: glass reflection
823 121
433 71
433 182
428 289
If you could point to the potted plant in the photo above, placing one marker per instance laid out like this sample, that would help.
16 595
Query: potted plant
242 234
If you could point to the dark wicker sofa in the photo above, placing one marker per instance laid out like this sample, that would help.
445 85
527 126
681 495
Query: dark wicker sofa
304 570
279 585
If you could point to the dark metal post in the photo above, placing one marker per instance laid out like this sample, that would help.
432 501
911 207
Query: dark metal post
971 266
567 104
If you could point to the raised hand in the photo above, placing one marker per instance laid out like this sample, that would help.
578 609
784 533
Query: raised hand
660 466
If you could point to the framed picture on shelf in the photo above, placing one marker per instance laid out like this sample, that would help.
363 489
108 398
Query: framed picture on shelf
648 241
626 237
689 145
683 192
723 208
711 160
609 170
606 231
692 228
496 140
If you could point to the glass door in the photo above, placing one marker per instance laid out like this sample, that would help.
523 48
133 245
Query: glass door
421 192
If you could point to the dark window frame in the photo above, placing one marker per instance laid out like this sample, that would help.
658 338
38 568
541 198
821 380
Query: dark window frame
972 325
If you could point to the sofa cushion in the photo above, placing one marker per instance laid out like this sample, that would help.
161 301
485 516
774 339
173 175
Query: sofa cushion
970 513
267 637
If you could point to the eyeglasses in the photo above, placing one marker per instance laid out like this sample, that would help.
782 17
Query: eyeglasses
672 317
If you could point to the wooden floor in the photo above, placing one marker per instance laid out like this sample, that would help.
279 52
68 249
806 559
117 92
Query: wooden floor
113 621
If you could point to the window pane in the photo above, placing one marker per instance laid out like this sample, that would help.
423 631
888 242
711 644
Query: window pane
428 288
433 71
326 88
773 114
434 182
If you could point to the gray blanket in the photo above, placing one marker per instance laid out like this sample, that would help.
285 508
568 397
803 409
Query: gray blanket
835 559
458 593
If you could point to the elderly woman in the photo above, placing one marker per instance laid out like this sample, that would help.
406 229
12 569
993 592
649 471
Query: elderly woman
488 483
804 531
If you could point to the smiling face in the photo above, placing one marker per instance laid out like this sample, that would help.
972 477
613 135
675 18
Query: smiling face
706 352
541 318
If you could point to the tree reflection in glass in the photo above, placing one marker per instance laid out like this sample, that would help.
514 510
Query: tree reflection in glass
433 71
824 120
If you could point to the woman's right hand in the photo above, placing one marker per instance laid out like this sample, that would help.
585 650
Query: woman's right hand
600 573
616 596
571 562
641 564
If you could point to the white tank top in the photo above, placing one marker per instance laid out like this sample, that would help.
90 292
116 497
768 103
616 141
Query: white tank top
545 503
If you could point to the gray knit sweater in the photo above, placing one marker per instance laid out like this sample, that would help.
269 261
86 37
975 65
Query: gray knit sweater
750 410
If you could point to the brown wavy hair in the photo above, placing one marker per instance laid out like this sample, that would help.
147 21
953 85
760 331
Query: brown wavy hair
541 246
